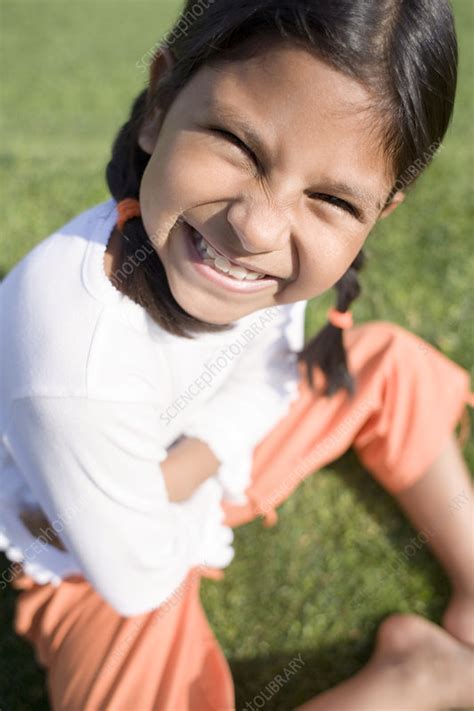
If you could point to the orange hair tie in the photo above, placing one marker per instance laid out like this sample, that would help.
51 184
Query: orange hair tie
340 319
127 208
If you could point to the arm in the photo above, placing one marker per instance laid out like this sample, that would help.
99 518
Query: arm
101 461
191 461
188 464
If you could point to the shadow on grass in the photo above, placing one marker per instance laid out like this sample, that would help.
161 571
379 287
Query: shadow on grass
22 681
315 672
383 507
329 665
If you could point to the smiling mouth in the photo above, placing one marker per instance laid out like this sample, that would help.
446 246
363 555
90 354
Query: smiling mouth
222 263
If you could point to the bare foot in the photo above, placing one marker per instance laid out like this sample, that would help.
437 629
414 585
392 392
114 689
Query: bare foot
416 666
458 618
438 667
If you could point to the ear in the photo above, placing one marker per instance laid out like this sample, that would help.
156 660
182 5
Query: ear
397 200
163 61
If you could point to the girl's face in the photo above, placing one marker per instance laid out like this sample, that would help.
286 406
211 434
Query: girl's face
292 194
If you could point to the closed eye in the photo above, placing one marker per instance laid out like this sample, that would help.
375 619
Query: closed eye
236 140
337 202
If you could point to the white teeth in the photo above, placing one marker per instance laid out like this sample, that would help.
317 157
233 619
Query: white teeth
251 276
211 251
239 272
223 264
213 259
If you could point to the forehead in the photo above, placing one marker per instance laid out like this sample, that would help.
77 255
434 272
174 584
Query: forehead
311 116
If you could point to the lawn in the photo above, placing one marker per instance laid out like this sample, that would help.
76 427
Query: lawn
69 76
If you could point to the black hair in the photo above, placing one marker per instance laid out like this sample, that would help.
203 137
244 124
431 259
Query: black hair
404 51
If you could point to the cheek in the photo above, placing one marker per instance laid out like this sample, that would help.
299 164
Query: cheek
180 176
188 171
325 261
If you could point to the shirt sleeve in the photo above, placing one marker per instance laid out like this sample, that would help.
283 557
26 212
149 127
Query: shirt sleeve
257 394
133 545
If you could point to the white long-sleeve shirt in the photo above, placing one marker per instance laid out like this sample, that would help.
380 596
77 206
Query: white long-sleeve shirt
92 395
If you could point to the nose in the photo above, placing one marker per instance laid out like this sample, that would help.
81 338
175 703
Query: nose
260 225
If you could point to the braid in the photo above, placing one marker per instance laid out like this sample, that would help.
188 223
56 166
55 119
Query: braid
326 349
147 285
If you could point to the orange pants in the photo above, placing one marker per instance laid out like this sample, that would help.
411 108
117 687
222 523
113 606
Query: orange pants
409 398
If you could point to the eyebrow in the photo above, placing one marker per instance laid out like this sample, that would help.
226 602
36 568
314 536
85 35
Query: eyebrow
365 198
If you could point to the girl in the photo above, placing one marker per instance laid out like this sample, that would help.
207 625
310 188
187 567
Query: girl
271 138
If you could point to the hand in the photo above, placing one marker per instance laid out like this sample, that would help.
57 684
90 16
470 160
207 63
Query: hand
37 523
188 464
458 618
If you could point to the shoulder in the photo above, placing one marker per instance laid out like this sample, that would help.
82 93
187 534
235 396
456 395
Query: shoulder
65 242
47 317
46 268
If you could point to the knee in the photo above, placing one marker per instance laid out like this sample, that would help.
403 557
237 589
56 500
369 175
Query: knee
387 329
396 341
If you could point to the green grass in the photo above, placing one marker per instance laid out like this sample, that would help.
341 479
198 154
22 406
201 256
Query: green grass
69 76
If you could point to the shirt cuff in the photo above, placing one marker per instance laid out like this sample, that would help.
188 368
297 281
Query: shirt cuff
205 517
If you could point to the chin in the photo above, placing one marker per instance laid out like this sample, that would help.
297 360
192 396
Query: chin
200 311
205 317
